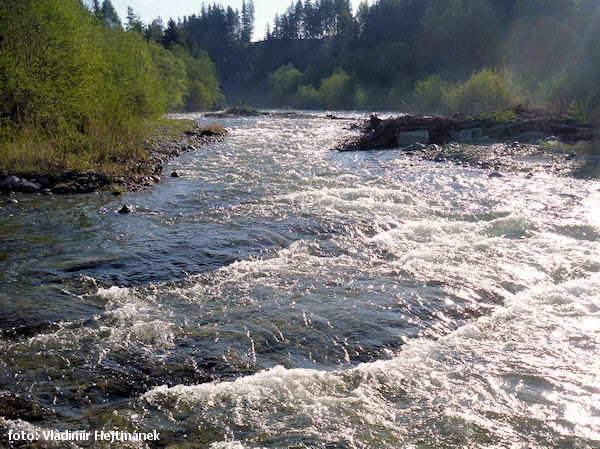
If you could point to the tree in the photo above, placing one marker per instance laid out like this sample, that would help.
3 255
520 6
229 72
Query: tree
154 31
247 20
108 14
134 22
173 35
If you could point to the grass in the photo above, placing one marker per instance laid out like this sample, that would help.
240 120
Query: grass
107 147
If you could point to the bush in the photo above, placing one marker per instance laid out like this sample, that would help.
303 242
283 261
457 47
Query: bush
484 93
429 94
307 97
284 83
337 91
580 111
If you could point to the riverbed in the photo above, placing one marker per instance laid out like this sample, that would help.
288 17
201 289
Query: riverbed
281 295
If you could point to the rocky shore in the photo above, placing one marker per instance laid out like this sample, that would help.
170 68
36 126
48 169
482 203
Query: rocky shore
164 144
526 145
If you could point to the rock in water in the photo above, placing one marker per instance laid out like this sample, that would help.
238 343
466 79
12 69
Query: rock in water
174 175
496 174
126 209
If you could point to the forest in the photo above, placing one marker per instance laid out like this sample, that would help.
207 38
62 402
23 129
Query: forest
76 82
473 56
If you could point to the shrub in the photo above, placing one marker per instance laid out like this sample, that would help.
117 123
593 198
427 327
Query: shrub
307 97
284 83
337 90
430 94
580 110
484 93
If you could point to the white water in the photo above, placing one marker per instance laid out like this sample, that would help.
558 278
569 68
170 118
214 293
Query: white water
366 300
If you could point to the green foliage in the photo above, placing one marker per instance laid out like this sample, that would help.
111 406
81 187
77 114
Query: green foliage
337 90
580 110
76 90
203 92
430 94
108 14
131 82
307 97
484 93
48 64
172 75
284 83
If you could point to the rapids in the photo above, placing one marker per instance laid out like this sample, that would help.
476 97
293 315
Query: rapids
280 295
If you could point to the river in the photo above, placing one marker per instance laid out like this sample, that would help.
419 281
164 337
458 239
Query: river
280 295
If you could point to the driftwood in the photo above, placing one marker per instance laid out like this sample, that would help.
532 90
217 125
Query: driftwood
381 134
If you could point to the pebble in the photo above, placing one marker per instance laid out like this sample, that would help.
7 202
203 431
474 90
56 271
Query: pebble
175 175
496 174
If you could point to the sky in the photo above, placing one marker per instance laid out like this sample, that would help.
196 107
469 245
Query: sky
149 10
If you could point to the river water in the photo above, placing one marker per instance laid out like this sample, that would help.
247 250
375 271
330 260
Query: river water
280 295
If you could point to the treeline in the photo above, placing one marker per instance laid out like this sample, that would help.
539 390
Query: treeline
308 20
76 87
468 55
445 55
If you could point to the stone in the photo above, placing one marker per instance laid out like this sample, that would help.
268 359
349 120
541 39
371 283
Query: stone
13 200
25 186
126 209
495 174
174 175
43 181
9 182
409 137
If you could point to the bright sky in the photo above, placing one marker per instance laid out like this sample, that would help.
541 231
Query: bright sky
148 10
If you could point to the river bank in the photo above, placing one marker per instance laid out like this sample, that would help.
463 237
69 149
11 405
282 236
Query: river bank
167 140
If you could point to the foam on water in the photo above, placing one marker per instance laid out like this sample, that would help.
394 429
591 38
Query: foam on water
281 295
523 377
